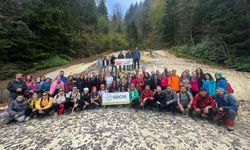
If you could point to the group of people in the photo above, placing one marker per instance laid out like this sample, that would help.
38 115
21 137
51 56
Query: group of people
197 94
134 54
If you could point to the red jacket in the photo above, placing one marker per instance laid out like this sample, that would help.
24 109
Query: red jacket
140 84
146 94
209 101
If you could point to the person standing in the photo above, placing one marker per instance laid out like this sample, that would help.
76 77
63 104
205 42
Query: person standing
174 81
16 87
105 64
129 56
99 64
121 56
63 78
112 61
136 58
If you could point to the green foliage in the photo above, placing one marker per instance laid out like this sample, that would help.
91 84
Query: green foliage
52 62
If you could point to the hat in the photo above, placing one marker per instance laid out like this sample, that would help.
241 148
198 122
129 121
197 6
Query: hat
221 89
219 74
86 89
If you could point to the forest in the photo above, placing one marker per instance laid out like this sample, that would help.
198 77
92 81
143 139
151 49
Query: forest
38 34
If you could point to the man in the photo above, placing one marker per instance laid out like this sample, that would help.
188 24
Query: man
203 104
228 106
160 98
72 98
112 61
134 97
15 111
99 64
136 58
63 78
147 98
121 56
16 87
184 101
129 56
105 64
171 99
45 87
109 80
174 81
59 101
95 101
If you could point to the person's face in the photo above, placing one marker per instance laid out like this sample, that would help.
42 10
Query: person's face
183 89
94 90
219 92
74 89
158 89
42 78
61 92
45 95
20 98
174 72
194 74
147 88
70 77
203 93
28 78
169 88
184 74
207 77
35 96
58 78
132 88
198 70
61 73
86 91
217 77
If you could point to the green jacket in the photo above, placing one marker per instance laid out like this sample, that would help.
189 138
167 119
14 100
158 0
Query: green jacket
133 95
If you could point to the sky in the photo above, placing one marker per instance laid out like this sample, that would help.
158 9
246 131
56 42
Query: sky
125 4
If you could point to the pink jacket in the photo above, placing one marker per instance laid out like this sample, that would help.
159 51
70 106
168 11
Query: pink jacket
53 87
164 82
194 84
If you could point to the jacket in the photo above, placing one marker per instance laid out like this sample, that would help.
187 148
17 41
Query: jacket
105 61
44 103
17 107
112 60
202 102
14 85
45 86
136 54
134 95
226 101
53 87
146 94
174 81
32 103
221 83
209 86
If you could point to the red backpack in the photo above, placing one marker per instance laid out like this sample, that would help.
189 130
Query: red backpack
230 90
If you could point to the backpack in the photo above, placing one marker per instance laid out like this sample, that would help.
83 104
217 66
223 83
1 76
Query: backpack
226 99
229 88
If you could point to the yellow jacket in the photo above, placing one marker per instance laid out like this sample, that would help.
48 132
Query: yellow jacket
44 103
32 103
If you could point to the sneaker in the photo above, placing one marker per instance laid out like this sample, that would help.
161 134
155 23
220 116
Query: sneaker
230 128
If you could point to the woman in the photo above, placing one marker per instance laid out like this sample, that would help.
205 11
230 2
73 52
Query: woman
95 101
44 105
164 81
123 86
84 100
209 84
140 83
69 84
194 84
114 88
56 85
28 80
32 105
133 79
32 88
221 82
184 80
200 77
59 101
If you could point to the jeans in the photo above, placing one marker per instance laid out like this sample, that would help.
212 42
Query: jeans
7 116
136 61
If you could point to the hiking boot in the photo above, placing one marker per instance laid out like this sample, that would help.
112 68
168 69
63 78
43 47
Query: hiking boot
230 128
8 122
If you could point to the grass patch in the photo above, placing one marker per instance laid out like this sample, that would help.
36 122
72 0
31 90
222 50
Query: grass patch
52 62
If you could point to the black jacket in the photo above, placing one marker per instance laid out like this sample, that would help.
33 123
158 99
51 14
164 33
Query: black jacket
14 85
112 60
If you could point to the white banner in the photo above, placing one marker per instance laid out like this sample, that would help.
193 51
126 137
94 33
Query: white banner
121 62
115 98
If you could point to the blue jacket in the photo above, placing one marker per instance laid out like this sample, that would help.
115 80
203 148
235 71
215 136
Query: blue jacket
136 54
209 86
45 86
221 83
226 101
63 79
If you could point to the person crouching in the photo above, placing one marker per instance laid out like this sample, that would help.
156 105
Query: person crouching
147 98
59 101
15 111
203 105
226 107
44 105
